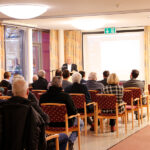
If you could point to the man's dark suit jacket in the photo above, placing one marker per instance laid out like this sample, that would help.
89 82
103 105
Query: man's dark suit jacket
5 83
40 84
73 67
134 83
21 127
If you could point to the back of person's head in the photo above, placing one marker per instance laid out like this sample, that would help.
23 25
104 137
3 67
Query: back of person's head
135 73
35 77
57 81
113 79
82 73
76 77
7 75
58 72
20 88
106 74
66 74
41 73
92 76
17 77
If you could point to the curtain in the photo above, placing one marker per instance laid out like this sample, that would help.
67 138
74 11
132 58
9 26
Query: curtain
2 53
73 47
54 51
147 56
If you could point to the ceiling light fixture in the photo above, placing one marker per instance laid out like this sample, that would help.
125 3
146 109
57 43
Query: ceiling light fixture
23 11
89 24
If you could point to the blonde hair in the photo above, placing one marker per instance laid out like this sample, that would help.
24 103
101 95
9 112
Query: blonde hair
113 79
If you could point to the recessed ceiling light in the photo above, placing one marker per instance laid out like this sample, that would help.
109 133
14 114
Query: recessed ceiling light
89 24
23 11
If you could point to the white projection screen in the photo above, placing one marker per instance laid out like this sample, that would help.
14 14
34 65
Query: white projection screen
119 53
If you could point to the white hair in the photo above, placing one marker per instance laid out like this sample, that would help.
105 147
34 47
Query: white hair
19 87
76 77
17 77
92 76
41 73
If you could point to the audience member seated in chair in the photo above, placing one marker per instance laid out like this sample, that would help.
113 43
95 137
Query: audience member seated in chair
55 94
105 76
133 82
65 82
32 98
77 87
35 78
22 126
92 83
114 88
41 83
6 83
83 81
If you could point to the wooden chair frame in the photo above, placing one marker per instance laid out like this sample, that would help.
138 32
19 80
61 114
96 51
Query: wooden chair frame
141 105
134 109
5 97
67 129
55 136
112 117
85 115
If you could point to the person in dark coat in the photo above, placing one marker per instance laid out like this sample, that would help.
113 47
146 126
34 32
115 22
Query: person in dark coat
41 83
65 82
92 83
22 126
6 83
69 66
77 87
83 81
55 94
105 76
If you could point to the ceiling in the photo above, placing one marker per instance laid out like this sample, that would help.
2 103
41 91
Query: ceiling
116 13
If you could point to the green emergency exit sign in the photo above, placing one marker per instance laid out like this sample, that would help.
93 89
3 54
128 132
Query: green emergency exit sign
110 30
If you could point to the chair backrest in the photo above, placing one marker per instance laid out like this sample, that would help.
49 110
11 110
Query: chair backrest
106 101
128 96
136 91
93 94
5 97
78 99
55 111
38 92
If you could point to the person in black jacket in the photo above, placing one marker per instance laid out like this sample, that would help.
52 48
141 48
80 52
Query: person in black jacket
41 83
5 82
69 66
27 129
55 94
22 126
105 76
77 87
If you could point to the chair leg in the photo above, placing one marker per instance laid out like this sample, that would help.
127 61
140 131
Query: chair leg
147 112
57 144
138 118
78 133
132 120
117 133
141 114
85 125
101 125
126 122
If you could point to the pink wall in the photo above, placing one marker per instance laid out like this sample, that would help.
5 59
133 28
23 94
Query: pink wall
46 53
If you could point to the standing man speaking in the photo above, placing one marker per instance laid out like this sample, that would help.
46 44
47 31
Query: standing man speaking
69 66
